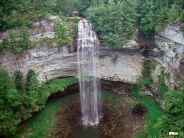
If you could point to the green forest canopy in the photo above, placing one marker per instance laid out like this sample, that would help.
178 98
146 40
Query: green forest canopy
115 21
18 101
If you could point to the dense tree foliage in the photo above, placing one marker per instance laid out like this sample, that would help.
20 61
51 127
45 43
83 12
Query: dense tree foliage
9 103
18 102
22 12
116 20
172 120
64 6
154 14
62 34
25 35
19 80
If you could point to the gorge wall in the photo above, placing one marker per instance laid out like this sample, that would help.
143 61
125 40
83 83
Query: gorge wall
124 65
170 54
54 62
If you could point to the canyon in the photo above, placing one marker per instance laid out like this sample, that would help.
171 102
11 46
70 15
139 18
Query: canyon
124 65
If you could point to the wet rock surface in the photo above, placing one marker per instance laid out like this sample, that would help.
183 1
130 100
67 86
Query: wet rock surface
118 121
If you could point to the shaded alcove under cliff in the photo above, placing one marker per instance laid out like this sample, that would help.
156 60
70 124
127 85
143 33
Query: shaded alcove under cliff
114 87
118 119
124 114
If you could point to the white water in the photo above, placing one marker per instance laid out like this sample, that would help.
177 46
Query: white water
88 73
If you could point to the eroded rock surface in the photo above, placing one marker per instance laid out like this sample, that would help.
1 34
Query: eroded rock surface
170 43
123 65
54 62
45 28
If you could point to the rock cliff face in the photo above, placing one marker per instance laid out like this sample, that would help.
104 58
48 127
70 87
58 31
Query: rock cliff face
170 52
57 62
44 28
47 62
124 65
53 62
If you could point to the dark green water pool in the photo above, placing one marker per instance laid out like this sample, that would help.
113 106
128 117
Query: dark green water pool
86 132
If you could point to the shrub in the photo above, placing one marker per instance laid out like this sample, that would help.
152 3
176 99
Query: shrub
6 43
25 34
145 81
18 50
162 87
172 13
152 64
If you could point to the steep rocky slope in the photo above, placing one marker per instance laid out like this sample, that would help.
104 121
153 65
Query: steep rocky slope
170 44
51 62
56 62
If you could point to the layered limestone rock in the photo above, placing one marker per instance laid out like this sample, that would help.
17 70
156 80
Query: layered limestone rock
125 65
169 53
45 28
120 65
56 62
48 63
53 62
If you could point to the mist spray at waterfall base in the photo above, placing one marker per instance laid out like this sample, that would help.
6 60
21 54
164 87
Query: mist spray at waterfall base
90 93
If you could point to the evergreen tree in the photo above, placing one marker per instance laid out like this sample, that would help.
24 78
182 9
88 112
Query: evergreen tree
147 16
62 36
33 88
19 80
172 13
25 35
9 102
114 21
32 81
65 6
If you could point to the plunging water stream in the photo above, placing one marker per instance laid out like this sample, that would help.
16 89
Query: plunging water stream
88 73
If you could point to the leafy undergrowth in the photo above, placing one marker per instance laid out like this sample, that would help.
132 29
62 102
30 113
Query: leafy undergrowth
154 111
53 86
40 125
56 85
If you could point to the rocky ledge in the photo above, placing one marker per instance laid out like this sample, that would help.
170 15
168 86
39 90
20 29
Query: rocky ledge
169 53
54 62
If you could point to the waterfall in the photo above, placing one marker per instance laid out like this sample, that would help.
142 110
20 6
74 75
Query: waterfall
87 57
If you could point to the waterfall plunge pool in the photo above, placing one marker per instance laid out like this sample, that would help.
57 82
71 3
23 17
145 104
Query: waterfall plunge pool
87 132
66 122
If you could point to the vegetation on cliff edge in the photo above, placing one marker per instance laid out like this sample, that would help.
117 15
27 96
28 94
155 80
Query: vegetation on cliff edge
116 20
